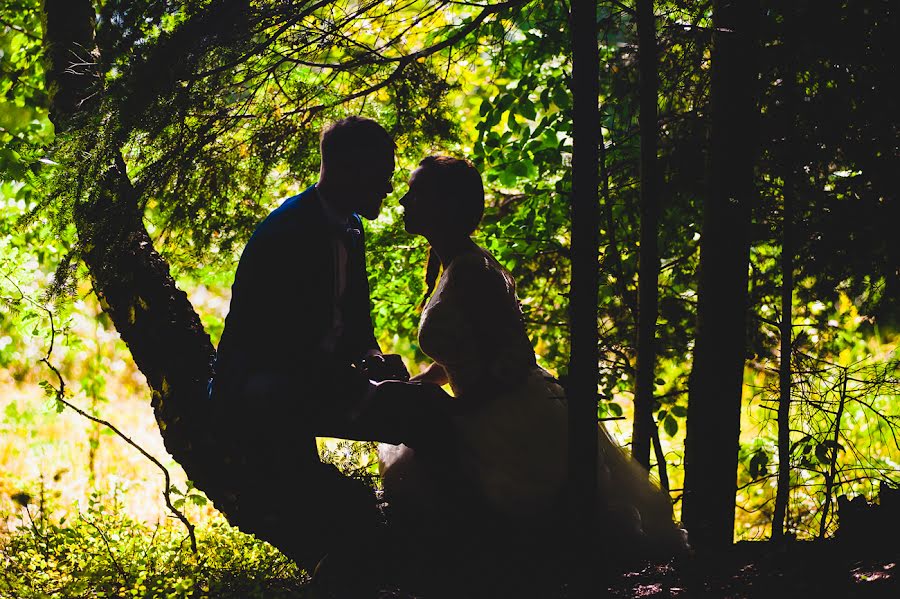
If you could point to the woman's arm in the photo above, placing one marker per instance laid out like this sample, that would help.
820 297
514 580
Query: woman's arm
435 374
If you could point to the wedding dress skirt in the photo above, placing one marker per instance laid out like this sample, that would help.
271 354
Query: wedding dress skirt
515 452
512 442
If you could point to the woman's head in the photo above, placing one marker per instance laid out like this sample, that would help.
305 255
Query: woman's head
445 198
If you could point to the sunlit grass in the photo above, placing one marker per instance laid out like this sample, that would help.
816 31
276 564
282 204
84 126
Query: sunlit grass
43 451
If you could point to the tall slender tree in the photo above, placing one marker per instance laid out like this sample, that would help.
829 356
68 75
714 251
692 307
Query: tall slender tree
582 379
790 180
716 381
648 262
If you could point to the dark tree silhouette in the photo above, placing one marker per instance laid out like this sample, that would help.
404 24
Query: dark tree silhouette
130 278
716 381
789 164
582 377
648 265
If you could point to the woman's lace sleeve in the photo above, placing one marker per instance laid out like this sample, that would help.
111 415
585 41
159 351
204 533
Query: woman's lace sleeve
484 346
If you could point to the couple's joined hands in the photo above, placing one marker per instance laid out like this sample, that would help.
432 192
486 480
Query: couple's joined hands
394 381
384 367
414 411
389 367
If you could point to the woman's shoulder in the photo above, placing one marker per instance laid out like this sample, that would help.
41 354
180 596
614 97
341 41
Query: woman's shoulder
472 261
479 270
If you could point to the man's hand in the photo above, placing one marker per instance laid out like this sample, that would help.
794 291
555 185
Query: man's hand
381 367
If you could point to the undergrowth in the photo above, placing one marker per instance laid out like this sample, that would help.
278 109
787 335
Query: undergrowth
104 553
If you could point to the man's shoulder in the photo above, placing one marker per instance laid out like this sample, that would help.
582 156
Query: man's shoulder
297 208
295 214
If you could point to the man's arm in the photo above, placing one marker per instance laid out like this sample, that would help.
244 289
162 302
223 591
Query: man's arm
416 414
434 374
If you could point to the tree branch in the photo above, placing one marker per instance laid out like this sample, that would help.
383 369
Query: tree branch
60 392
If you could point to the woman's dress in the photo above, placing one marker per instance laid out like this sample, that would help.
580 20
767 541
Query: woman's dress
512 416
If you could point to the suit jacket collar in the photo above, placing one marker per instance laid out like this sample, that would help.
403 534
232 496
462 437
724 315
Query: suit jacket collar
334 219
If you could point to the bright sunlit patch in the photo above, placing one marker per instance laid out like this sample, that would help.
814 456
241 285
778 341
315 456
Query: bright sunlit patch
883 573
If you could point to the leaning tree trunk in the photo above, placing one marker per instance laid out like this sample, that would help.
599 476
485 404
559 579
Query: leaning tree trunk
716 383
648 268
582 380
130 278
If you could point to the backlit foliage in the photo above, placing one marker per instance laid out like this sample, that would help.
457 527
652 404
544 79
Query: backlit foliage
217 112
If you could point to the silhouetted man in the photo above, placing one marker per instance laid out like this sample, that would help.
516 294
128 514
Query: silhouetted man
298 358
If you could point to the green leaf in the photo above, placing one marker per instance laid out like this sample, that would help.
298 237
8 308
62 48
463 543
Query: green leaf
822 453
679 411
561 98
545 98
758 464
755 466
519 168
526 109
670 425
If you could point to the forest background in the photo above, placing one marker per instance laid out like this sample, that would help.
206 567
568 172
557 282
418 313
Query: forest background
215 113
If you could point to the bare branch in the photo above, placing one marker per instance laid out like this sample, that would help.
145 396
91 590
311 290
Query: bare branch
60 392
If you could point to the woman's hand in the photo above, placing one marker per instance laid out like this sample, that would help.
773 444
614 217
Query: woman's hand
434 374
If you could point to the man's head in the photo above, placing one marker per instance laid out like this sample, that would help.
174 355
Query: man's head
357 165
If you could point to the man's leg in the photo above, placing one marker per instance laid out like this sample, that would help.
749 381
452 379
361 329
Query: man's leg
279 490
306 510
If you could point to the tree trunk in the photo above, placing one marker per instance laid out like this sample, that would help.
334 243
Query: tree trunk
648 268
131 280
583 374
790 176
831 475
784 368
714 408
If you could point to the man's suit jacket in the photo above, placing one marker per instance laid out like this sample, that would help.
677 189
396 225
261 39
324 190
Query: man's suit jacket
282 308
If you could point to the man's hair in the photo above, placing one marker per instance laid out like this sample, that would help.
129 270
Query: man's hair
458 183
354 141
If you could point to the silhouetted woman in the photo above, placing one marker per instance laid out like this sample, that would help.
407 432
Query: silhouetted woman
512 415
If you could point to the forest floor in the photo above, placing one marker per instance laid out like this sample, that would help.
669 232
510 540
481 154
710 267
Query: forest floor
753 570
756 570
